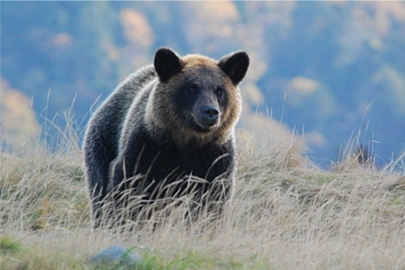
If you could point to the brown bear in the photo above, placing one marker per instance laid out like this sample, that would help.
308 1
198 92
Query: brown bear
165 124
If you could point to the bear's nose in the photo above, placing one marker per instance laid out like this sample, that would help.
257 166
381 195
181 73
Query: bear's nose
210 113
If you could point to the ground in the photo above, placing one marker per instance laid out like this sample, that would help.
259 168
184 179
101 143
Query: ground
286 214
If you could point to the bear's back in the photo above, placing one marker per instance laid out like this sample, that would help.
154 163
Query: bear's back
109 119
102 137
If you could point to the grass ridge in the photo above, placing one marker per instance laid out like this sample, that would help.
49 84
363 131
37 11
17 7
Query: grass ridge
285 214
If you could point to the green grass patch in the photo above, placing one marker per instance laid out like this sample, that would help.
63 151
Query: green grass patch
9 245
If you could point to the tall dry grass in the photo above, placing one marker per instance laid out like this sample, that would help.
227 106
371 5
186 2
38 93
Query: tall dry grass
285 214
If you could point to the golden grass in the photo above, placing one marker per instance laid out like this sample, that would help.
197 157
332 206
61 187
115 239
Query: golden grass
285 214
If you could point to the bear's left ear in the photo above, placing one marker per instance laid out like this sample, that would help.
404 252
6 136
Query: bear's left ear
235 66
167 64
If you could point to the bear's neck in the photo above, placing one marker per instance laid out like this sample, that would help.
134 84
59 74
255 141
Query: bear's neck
186 139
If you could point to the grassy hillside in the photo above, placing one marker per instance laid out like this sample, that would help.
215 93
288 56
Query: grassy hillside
286 214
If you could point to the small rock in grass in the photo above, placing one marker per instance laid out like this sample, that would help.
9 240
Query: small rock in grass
117 255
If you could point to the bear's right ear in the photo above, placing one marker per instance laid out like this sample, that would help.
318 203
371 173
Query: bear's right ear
167 63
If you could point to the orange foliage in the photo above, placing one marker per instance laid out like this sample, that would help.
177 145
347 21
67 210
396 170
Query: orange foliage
136 27
62 40
209 23
17 123
385 12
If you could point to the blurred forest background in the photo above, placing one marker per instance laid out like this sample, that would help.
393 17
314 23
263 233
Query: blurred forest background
332 72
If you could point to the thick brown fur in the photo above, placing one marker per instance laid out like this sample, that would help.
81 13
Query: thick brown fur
167 121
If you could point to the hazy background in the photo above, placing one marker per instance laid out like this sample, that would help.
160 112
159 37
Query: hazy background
330 71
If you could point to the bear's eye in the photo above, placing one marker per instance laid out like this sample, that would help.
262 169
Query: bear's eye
193 88
219 91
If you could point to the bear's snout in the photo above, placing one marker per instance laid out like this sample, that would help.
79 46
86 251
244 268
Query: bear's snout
208 117
210 114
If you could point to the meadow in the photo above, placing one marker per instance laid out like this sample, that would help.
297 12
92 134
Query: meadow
285 214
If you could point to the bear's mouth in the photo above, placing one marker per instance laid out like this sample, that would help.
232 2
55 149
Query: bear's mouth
207 127
203 125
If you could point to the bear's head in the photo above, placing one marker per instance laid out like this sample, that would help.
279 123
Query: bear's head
197 98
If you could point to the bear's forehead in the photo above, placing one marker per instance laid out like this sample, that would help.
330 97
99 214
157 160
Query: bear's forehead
195 60
202 69
204 75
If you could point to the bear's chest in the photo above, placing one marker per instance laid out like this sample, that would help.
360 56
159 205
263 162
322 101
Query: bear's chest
159 161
